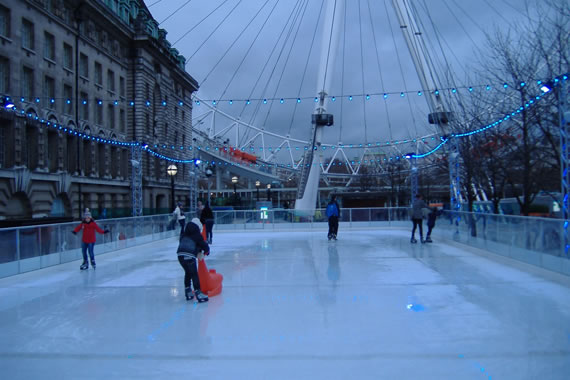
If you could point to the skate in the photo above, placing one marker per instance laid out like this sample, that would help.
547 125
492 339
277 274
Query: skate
84 266
93 264
189 294
329 236
334 237
428 240
201 297
412 240
422 240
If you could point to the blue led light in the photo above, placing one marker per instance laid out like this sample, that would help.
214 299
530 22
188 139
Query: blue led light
367 97
385 96
163 103
282 101
350 97
402 94
333 98
419 93
298 100
231 101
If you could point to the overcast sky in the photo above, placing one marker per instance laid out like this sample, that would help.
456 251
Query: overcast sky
234 61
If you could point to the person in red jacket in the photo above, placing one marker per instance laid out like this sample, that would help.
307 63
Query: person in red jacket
89 227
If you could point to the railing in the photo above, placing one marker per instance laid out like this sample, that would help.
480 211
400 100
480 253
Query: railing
537 241
23 249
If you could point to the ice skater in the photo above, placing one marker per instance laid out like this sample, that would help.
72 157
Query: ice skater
432 216
207 219
333 212
179 216
191 245
88 239
417 216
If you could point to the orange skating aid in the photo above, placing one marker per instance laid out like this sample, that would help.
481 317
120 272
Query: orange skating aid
204 233
210 281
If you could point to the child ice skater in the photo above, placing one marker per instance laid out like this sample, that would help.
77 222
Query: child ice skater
190 246
88 239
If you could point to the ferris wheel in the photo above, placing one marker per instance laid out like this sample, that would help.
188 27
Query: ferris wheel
326 87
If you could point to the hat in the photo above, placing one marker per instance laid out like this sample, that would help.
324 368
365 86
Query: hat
86 214
197 222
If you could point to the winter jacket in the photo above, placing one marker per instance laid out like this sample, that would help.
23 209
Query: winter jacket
432 217
88 231
333 209
192 242
206 214
179 214
417 207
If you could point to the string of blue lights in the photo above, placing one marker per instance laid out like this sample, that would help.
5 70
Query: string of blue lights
546 88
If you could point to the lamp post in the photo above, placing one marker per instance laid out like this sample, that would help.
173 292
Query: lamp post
235 181
172 170
257 184
268 191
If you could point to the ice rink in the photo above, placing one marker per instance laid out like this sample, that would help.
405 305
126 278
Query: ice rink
293 306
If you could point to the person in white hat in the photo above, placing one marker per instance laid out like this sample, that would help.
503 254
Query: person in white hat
190 246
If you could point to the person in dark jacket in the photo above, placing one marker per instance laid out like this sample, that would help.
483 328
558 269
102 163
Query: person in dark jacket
417 216
333 212
432 216
89 227
207 219
190 246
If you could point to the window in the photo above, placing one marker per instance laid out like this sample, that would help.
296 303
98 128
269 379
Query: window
110 81
122 121
4 75
122 86
4 22
83 65
67 56
111 116
98 111
84 106
27 83
49 90
27 34
98 74
67 96
49 46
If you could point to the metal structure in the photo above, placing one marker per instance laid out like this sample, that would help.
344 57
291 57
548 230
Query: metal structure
312 165
136 180
427 73
562 96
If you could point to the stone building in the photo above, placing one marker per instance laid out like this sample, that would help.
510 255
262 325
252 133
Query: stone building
100 69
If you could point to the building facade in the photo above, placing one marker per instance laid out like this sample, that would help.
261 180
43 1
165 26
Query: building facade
83 74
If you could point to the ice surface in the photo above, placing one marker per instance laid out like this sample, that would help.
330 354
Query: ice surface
293 306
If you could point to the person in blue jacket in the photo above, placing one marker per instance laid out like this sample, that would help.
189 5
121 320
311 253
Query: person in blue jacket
191 244
333 212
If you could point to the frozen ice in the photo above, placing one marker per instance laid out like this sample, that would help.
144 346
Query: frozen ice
294 306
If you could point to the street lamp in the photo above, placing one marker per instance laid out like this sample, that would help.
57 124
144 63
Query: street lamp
172 170
235 181
268 191
257 184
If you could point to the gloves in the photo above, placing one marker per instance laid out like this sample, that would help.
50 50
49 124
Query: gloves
207 253
106 231
200 256
73 232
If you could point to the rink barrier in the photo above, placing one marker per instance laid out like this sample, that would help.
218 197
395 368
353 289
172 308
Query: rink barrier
532 240
23 249
536 241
